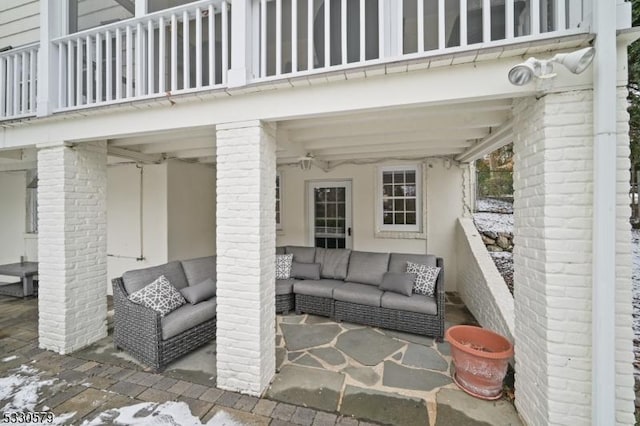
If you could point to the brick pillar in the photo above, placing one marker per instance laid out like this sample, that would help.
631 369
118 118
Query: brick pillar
245 235
72 245
553 214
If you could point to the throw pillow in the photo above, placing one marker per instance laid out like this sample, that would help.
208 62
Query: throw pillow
160 296
426 277
283 266
199 292
305 271
398 282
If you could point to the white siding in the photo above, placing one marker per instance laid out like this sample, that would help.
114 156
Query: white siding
19 22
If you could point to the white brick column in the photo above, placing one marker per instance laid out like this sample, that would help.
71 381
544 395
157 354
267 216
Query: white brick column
245 236
72 245
553 214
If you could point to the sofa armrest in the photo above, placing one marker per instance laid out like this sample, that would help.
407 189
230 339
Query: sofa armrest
136 327
439 293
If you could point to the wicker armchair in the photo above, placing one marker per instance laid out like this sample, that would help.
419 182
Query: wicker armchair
138 330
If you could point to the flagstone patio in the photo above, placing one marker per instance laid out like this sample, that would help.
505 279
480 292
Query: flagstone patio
328 373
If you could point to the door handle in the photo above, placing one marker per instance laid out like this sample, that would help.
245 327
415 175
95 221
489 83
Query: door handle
349 231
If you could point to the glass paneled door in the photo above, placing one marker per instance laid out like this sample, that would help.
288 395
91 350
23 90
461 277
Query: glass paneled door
330 214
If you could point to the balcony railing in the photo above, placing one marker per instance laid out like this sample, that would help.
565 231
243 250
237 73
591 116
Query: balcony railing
18 81
169 52
189 48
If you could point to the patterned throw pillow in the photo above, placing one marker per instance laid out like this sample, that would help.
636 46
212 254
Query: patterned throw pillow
160 296
426 277
283 266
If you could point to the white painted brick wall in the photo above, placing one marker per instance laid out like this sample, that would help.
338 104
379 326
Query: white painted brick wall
553 184
480 284
246 239
72 245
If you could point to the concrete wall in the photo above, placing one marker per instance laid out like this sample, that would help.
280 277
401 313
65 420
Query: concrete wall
443 196
19 22
123 217
191 204
480 284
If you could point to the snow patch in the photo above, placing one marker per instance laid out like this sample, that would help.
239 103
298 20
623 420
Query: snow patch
494 206
9 358
168 413
494 222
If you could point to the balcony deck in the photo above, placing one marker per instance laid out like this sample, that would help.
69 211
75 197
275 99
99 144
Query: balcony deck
207 45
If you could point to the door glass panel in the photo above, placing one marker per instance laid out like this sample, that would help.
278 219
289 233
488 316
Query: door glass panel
330 221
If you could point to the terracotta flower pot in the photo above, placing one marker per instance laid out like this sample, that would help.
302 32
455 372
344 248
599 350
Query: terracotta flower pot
480 358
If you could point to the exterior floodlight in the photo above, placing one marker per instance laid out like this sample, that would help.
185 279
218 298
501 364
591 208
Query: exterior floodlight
577 61
305 162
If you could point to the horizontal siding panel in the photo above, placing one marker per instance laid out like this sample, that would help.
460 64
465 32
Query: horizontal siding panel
19 22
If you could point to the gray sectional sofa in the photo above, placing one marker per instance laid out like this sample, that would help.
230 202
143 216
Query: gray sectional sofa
348 289
156 340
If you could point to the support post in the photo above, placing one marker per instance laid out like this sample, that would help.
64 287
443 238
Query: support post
241 71
54 22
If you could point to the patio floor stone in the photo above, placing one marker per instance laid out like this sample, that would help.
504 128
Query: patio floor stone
423 357
367 346
309 387
329 355
456 408
384 407
397 376
365 375
308 361
299 337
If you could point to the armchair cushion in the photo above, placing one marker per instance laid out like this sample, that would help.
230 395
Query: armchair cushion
334 263
398 261
305 271
301 254
367 267
160 296
186 317
199 292
362 294
199 269
139 278
320 288
284 286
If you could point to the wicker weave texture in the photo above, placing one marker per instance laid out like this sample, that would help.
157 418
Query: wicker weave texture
314 305
285 303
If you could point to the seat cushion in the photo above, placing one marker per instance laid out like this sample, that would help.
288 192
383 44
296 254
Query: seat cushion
319 288
199 269
301 254
139 278
415 303
334 263
398 261
363 294
186 317
367 267
284 286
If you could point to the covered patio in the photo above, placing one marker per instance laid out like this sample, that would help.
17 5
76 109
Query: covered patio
326 375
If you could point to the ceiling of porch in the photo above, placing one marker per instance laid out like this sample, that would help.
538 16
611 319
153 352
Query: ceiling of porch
411 132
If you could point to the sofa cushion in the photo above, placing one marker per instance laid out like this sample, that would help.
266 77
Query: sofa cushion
426 277
305 271
283 266
301 254
334 263
319 288
415 303
199 269
139 278
199 292
363 294
398 282
367 268
398 261
280 250
284 286
186 317
160 296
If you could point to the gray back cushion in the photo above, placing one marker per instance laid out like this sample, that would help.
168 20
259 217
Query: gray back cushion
199 269
334 263
301 254
398 262
367 268
280 250
139 278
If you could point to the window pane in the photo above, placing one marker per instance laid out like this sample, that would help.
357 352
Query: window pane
341 210
387 190
388 218
411 218
277 217
331 210
387 204
331 194
411 204
398 205
320 210
398 190
409 190
387 177
411 177
319 195
399 218
340 194
398 177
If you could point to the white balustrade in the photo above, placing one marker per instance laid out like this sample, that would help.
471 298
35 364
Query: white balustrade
18 82
170 52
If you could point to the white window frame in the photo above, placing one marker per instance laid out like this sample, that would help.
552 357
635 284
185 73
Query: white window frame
381 227
279 200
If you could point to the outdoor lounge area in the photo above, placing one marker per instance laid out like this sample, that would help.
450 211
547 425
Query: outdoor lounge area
328 373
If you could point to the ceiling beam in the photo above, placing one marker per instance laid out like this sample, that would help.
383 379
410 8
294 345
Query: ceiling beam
284 144
420 153
192 153
13 154
502 136
177 145
139 157
165 136
394 149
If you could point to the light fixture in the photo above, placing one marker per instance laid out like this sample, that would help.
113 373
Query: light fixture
306 161
576 62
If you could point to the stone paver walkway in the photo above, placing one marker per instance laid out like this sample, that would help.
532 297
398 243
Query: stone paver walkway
328 375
